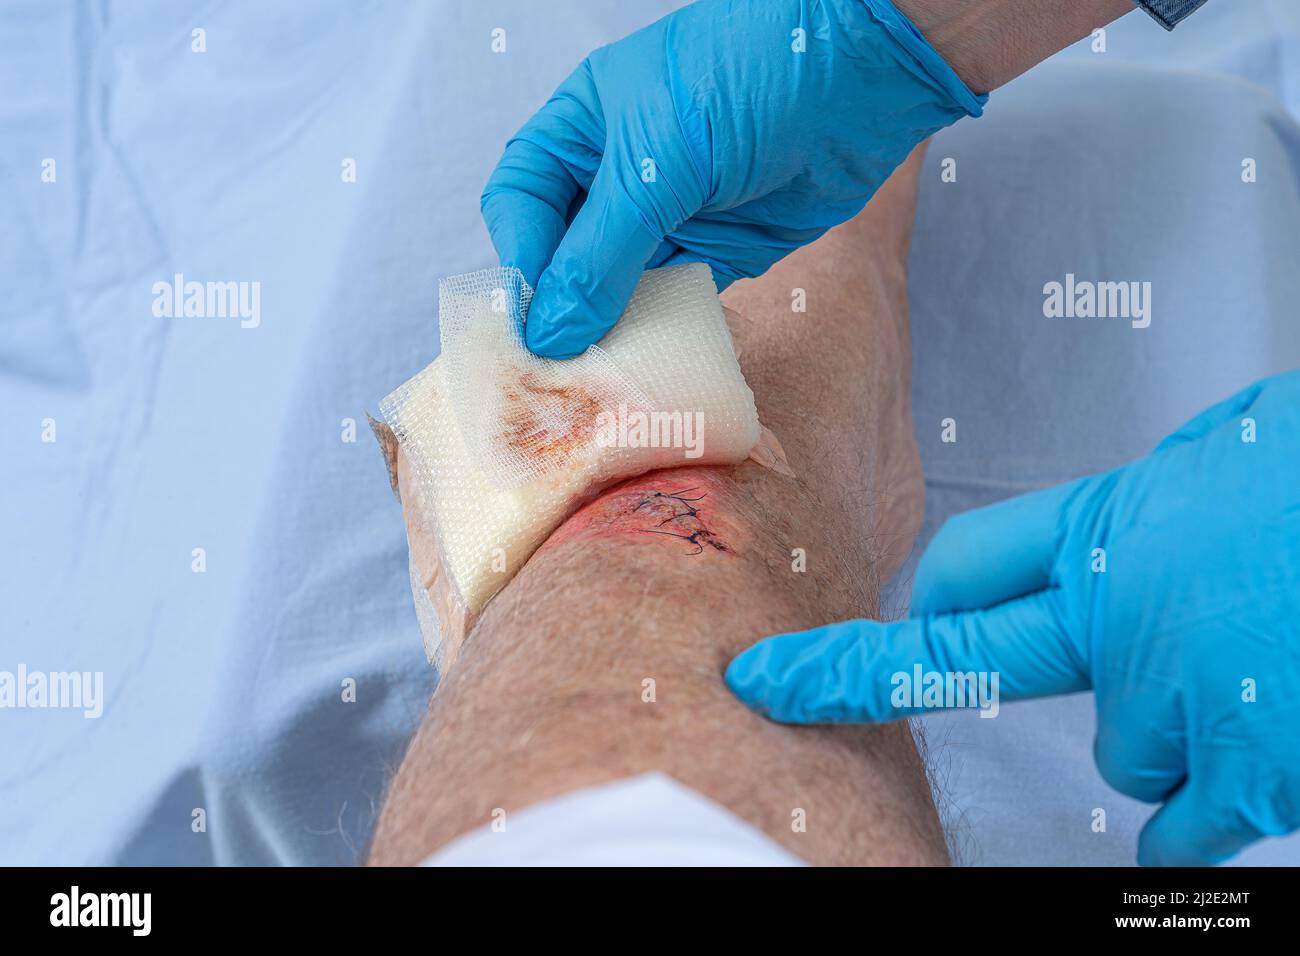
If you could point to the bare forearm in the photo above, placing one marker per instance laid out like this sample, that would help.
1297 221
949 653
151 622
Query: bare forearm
991 42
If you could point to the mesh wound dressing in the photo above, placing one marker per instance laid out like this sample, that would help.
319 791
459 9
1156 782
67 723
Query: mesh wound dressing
500 446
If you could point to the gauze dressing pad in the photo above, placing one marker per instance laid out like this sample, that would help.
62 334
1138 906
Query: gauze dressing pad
501 445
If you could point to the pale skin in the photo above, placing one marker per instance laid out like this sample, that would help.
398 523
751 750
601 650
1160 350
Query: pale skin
989 43
547 694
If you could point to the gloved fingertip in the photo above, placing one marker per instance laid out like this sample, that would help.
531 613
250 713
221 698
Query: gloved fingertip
525 231
745 677
760 678
549 333
783 678
1149 854
1154 851
1191 830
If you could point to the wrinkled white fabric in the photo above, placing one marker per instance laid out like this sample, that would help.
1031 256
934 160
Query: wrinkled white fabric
650 820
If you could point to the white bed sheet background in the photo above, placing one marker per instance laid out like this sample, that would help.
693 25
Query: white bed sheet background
224 689
1117 166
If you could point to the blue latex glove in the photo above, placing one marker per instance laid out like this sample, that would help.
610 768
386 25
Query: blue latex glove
1199 603
706 137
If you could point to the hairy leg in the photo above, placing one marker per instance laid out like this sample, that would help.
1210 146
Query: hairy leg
666 577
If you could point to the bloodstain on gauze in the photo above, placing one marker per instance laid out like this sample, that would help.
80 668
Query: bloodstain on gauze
500 446
551 423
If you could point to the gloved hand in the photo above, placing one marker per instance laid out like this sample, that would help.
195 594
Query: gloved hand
1189 637
730 132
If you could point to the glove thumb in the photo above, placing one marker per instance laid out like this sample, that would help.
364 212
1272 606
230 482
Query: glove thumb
594 271
1193 830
